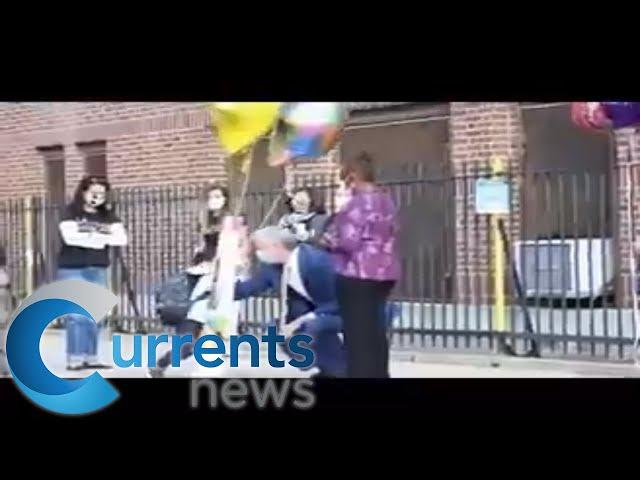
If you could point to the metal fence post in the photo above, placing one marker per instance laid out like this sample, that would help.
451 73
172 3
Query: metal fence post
161 232
6 307
29 252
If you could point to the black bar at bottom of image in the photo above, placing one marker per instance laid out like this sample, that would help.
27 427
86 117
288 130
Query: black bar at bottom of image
356 398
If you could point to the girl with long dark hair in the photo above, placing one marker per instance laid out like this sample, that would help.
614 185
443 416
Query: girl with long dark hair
216 207
196 281
88 229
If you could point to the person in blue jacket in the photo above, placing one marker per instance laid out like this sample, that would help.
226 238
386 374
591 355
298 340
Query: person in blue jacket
308 298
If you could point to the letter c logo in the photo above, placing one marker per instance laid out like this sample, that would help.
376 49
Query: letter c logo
32 377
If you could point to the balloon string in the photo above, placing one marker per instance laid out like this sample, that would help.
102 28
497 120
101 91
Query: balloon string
271 210
236 211
243 196
245 183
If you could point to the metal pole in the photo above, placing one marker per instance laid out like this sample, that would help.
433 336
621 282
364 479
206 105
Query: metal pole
5 312
238 173
632 253
519 291
28 246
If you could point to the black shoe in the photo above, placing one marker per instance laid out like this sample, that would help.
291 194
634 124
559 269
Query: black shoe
155 373
97 366
75 368
322 375
533 353
506 349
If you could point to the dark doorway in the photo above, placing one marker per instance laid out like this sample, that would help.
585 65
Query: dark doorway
54 172
50 209
567 184
411 158
263 190
263 177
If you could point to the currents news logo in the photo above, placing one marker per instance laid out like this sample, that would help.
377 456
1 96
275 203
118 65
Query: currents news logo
94 393
31 376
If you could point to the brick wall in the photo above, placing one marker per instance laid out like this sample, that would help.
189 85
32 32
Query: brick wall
152 144
147 143
323 172
155 154
19 120
22 170
478 131
172 156
627 163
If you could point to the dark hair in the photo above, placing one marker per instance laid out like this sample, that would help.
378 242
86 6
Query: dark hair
210 219
211 228
221 189
87 181
362 166
315 205
210 250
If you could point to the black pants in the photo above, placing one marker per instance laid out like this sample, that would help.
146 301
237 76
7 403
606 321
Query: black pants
362 305
186 327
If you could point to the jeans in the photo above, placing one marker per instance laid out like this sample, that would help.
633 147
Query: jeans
331 357
82 333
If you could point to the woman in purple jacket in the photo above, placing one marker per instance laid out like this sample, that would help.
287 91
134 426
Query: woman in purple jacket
362 238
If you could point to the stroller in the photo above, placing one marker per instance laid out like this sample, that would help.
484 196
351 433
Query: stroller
176 297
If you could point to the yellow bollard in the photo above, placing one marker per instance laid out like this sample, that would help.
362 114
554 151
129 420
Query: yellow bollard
499 316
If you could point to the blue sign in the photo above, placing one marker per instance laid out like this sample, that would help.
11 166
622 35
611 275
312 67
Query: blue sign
492 196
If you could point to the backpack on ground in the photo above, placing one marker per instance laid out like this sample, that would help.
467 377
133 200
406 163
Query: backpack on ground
173 298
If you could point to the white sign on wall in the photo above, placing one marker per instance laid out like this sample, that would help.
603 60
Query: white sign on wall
492 196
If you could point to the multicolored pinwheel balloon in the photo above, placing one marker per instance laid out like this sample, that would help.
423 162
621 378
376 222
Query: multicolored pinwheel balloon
306 130
604 115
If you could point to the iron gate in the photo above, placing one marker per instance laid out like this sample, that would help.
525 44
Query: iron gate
567 234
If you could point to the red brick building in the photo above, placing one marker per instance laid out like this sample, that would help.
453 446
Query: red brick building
46 148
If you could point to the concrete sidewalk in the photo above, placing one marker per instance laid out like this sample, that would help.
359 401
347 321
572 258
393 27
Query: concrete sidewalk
404 364
461 365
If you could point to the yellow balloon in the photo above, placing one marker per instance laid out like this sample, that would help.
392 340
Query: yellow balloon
239 124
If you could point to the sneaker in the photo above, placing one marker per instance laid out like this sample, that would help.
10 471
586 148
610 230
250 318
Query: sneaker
321 374
97 366
155 373
76 367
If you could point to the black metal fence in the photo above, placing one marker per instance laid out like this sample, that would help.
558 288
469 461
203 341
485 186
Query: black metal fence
566 271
